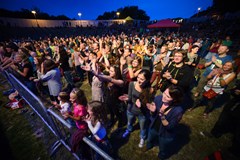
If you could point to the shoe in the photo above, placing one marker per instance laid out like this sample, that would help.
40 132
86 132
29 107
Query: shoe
146 149
205 115
110 124
206 134
141 143
196 94
8 92
125 134
23 111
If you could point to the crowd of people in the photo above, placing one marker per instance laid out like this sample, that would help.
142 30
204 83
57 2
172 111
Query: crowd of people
153 78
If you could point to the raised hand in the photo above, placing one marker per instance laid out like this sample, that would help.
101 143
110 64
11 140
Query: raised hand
151 106
138 103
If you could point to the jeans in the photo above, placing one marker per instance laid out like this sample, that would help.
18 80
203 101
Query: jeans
68 77
80 72
163 143
142 122
202 82
31 86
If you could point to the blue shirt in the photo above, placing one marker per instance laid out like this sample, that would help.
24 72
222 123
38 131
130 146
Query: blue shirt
173 117
220 60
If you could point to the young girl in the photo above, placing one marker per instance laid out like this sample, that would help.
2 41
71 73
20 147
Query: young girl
79 101
96 120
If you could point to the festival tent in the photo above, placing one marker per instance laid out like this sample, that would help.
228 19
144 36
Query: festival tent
165 23
129 18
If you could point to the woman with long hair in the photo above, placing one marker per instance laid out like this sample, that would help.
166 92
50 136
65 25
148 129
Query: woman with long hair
130 68
25 71
139 94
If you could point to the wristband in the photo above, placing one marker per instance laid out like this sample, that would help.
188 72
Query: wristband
170 79
130 66
160 114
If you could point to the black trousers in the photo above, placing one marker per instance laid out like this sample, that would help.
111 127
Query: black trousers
229 121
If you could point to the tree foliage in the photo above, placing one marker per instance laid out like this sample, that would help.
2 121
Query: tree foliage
25 13
132 11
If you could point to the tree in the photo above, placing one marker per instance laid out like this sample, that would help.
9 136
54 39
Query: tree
25 13
132 11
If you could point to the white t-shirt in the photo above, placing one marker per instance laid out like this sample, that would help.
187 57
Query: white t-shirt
65 107
98 130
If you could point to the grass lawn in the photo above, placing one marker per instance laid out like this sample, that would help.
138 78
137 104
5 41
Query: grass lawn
17 133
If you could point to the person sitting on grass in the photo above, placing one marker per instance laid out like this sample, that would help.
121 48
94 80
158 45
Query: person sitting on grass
218 81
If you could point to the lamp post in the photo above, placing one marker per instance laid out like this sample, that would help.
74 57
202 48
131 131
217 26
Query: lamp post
199 9
34 13
118 13
80 14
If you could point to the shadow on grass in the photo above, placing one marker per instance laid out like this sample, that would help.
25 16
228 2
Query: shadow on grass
117 141
182 138
6 149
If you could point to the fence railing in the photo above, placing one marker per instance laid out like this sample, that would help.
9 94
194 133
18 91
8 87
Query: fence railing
56 124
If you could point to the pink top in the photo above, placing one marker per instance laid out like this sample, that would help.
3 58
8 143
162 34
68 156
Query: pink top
80 110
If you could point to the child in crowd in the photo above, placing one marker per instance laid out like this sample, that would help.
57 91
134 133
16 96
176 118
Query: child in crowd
96 119
64 106
79 101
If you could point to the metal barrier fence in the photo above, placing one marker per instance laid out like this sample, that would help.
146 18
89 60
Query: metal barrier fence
57 125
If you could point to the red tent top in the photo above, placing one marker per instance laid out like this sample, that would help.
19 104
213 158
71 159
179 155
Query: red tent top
165 23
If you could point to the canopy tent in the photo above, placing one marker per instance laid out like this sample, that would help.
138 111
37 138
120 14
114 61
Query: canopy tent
129 18
165 23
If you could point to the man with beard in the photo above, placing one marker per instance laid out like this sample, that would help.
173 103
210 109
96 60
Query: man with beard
214 62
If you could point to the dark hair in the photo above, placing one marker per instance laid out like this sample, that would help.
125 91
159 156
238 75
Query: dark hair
176 93
64 96
99 111
195 46
146 96
40 60
117 70
147 74
80 96
49 65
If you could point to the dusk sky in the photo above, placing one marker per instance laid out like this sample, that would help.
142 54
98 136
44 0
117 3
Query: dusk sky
91 9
